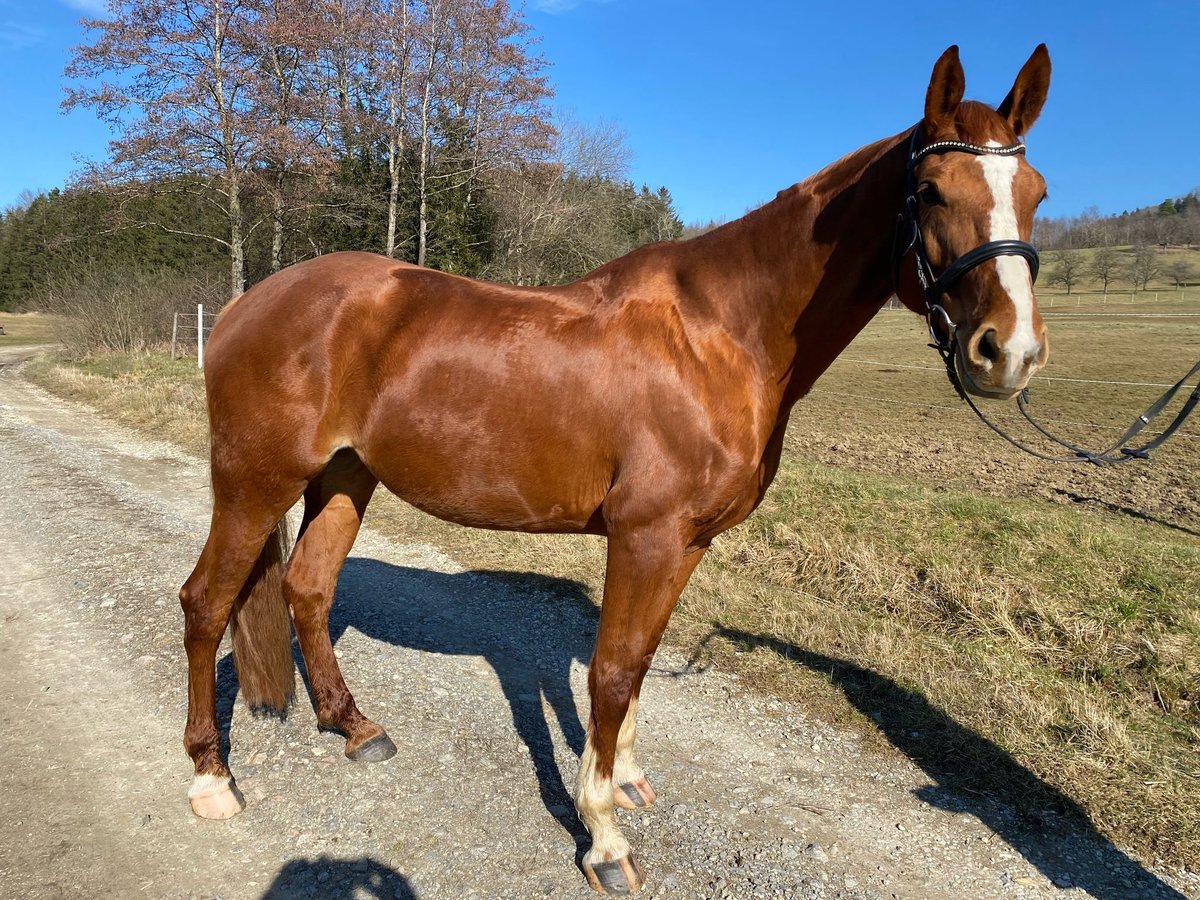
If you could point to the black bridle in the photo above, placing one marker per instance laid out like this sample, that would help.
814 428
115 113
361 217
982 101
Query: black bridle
909 239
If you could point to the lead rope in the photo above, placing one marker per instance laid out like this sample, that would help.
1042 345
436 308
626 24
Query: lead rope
1117 452
1112 455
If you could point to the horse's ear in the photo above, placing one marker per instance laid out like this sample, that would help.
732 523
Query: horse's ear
1024 102
946 87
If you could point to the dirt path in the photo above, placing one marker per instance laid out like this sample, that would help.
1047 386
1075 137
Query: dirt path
481 683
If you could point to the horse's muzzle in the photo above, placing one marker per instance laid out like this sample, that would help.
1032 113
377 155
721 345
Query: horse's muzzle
988 367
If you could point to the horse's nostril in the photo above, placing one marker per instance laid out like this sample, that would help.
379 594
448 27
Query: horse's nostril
988 348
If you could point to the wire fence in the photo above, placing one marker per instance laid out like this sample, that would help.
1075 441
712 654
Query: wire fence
1056 306
1050 304
940 372
192 329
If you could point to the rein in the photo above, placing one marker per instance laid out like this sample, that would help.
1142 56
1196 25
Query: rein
942 328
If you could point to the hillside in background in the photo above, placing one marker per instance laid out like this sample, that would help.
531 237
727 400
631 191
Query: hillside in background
1170 222
541 224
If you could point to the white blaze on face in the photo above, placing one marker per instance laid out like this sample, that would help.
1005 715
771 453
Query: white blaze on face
999 172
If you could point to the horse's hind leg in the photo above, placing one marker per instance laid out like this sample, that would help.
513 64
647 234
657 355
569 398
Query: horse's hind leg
646 571
236 539
334 503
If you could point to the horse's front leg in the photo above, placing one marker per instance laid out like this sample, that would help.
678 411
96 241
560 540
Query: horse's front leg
631 787
647 568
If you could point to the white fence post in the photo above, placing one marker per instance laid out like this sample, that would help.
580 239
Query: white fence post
200 335
174 333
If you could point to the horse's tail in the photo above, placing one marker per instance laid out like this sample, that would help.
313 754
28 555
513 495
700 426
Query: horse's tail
262 631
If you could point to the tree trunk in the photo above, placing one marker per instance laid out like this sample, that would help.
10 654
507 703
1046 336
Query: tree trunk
277 212
423 171
237 249
393 196
422 176
237 241
397 95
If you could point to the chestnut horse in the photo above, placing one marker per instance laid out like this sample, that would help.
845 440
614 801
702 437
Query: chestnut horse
646 402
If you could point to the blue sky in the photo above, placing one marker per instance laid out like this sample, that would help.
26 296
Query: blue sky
727 103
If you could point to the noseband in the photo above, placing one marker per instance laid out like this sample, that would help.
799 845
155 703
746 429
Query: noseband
910 239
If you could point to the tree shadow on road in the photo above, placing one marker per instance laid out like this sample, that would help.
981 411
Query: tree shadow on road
1064 845
339 879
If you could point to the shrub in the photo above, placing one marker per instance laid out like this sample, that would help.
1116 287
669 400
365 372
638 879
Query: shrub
126 311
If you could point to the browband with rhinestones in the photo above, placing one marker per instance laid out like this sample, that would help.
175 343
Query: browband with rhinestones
947 146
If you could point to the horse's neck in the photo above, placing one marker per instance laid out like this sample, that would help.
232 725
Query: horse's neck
814 265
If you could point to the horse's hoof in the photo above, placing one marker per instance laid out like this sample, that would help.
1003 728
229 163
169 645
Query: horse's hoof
375 749
634 794
617 878
215 797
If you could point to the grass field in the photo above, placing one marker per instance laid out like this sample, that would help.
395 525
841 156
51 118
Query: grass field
1012 626
886 407
26 328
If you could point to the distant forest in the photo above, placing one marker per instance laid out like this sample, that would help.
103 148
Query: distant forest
575 217
1171 222
572 223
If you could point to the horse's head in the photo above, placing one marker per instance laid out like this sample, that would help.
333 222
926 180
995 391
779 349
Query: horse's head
972 198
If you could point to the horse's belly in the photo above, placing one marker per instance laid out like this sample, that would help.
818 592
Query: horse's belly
487 485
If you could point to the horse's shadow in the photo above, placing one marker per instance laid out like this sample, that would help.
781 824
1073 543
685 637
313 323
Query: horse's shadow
1064 846
530 629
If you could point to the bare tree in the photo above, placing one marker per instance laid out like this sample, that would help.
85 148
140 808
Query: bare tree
464 96
559 219
172 78
344 63
1068 268
495 97
595 151
296 158
431 40
1105 266
1180 271
396 51
1144 267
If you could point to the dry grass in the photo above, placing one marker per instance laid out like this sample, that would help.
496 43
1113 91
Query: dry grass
1048 653
149 392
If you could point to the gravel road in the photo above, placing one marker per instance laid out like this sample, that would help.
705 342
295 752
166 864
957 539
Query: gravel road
479 679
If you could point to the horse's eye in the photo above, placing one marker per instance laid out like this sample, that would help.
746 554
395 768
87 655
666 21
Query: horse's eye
929 195
1045 196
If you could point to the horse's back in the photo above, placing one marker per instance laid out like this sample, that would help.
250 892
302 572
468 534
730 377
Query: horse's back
484 404
455 393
